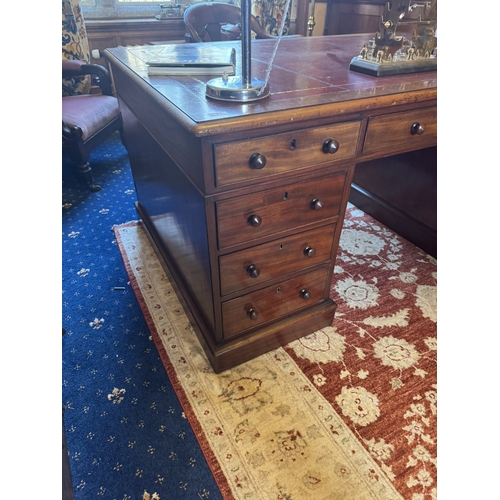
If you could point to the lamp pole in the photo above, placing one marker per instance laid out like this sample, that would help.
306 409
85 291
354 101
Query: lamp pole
242 88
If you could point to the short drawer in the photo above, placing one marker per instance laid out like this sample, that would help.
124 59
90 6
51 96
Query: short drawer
269 261
409 130
265 156
247 218
273 302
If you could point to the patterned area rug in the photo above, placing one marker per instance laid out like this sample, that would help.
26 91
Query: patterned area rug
348 412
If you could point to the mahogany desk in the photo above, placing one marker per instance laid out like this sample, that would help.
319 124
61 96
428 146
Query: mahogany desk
244 203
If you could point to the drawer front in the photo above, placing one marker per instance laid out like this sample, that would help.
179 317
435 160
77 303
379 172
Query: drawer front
273 302
238 161
254 216
268 261
414 129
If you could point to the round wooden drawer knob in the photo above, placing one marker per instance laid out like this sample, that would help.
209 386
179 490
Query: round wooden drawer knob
331 146
309 252
417 129
255 220
316 204
253 271
252 314
257 161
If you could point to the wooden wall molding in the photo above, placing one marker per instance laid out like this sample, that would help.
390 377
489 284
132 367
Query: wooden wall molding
104 34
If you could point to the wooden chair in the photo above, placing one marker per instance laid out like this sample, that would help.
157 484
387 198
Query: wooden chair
213 22
88 119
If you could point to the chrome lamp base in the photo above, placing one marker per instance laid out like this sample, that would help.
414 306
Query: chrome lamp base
234 89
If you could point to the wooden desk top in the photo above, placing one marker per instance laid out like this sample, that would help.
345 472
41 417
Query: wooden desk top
310 79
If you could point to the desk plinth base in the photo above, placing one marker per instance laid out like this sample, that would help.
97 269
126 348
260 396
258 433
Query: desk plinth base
248 346
271 337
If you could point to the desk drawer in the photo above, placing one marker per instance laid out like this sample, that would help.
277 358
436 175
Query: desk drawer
402 129
268 261
238 161
269 212
273 302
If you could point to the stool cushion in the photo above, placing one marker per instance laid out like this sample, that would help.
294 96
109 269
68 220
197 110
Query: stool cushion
89 112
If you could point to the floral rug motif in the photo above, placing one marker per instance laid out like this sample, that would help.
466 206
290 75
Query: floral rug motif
347 412
377 364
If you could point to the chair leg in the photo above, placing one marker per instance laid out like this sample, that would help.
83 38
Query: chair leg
86 172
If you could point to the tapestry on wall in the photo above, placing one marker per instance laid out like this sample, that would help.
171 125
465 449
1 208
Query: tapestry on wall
270 15
74 45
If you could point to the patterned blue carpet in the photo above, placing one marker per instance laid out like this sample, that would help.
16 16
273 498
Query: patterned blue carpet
126 430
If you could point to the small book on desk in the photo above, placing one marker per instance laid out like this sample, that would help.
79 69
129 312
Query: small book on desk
193 59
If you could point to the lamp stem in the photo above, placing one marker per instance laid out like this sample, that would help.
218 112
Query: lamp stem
242 88
246 44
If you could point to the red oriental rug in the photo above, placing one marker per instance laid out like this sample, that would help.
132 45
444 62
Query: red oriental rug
347 412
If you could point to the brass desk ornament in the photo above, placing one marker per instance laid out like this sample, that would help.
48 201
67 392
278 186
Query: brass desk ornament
390 54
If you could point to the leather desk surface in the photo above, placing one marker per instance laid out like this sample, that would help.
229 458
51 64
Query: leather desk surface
308 73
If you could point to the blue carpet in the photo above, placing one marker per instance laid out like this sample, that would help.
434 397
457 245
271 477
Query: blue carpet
126 430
